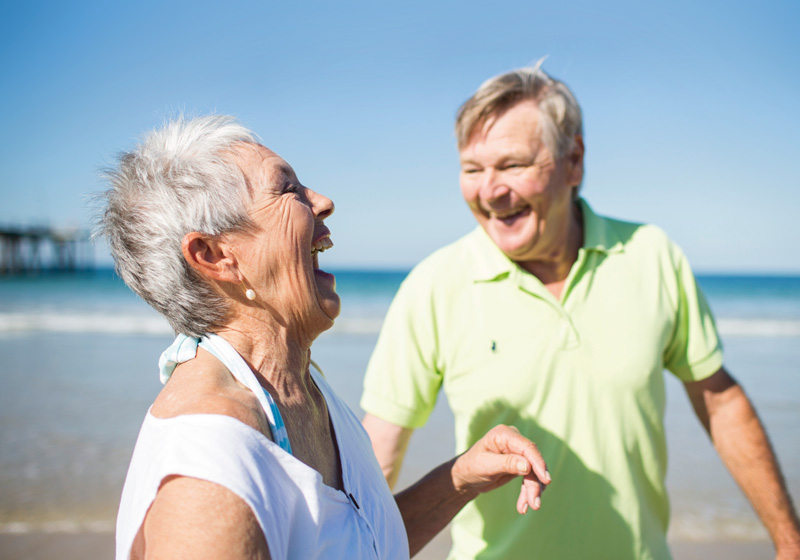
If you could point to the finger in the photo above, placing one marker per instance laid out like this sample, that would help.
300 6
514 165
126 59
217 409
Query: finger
494 466
512 464
522 500
508 440
530 493
531 452
533 492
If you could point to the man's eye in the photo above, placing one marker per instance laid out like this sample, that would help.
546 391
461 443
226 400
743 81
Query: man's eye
291 189
470 171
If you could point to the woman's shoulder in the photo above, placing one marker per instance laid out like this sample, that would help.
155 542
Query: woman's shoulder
214 522
204 386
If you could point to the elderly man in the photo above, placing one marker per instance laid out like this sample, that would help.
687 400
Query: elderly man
560 322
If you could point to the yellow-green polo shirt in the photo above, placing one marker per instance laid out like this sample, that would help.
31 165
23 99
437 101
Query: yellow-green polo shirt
582 377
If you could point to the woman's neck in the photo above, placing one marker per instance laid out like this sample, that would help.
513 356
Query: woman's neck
279 360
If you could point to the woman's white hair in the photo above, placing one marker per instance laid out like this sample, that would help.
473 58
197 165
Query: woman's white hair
179 179
560 113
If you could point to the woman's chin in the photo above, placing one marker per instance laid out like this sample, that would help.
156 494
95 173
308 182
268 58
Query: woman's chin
329 300
331 305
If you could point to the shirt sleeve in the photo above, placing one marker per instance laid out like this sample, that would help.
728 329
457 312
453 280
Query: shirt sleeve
694 351
402 380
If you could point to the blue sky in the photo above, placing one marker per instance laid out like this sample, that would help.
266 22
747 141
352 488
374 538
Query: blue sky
690 108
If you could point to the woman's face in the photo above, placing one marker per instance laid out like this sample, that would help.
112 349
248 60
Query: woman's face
279 260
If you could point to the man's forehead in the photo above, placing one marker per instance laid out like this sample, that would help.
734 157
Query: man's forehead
517 122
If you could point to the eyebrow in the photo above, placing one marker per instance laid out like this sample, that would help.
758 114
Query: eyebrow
281 174
504 159
285 169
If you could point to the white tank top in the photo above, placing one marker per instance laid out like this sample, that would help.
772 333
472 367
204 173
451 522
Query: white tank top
300 516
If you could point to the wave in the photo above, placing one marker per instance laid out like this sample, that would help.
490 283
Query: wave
357 325
152 324
773 328
135 323
704 527
716 525
103 323
68 526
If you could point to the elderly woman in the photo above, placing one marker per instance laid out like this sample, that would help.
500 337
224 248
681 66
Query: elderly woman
247 452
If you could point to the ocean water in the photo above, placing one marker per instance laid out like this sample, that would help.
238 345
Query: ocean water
78 371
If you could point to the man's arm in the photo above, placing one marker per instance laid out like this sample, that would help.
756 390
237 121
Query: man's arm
500 456
390 442
740 439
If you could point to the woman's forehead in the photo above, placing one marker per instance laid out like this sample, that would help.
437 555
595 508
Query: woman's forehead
262 166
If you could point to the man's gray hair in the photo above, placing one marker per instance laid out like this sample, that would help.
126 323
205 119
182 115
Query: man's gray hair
560 113
179 179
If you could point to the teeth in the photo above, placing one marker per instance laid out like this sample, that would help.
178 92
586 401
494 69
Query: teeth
503 215
322 245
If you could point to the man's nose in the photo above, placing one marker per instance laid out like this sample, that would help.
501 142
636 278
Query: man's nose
493 186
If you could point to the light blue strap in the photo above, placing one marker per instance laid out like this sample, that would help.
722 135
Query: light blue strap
276 425
185 348
182 350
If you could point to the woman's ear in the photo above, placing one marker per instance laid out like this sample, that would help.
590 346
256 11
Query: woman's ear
210 257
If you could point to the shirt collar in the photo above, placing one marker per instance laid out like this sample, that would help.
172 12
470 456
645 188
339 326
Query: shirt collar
598 233
491 264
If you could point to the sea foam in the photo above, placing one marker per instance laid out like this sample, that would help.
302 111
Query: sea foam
18 323
68 526
153 324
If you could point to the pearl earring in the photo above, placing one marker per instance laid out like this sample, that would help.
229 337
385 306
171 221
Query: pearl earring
249 293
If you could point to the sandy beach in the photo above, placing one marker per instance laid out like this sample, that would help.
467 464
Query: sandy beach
61 472
88 546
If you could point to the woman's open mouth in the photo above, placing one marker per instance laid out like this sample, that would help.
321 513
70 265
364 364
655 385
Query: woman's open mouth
320 246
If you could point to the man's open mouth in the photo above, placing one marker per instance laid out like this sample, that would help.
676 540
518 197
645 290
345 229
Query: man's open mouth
508 217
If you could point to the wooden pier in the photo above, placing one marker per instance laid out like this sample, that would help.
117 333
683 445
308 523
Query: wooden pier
34 249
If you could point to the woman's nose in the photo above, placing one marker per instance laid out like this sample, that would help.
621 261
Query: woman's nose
320 204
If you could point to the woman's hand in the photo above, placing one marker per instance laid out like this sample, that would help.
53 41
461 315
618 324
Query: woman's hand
499 456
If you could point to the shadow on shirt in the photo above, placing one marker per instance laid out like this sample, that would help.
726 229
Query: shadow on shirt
577 518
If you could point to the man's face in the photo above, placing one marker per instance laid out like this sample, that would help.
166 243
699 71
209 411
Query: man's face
519 193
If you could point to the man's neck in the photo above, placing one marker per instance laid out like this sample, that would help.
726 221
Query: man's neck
553 272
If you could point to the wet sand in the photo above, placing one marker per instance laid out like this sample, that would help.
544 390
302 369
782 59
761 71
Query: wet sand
760 550
89 546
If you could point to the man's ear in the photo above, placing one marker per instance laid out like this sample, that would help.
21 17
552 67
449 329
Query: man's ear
575 160
210 257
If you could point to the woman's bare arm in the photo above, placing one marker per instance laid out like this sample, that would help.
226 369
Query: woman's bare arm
500 456
197 519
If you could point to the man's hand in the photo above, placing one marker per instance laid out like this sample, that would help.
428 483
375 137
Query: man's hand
499 456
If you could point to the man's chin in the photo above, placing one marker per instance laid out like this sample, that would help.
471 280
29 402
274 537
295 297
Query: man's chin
515 246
